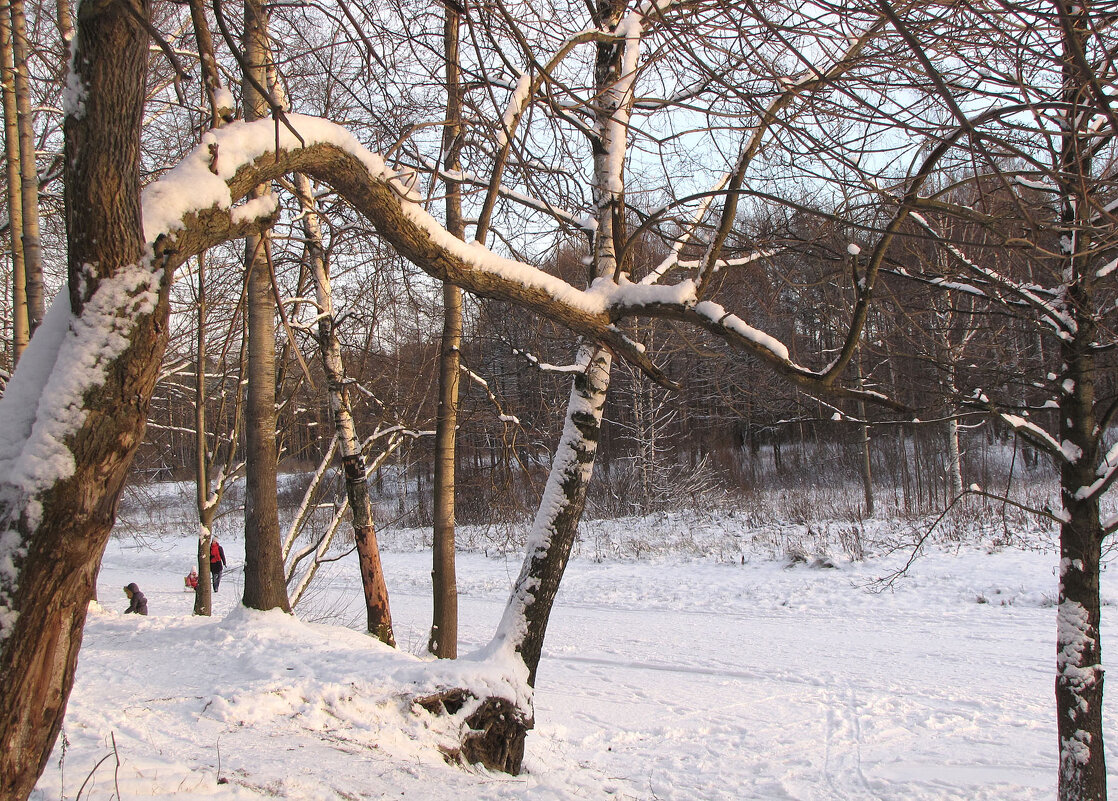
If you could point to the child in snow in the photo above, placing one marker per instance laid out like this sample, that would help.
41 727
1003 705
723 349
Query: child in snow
136 601
217 562
191 580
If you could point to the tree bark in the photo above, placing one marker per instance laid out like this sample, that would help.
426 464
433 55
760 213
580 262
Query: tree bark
378 613
55 530
1079 673
203 597
443 641
264 584
20 331
29 176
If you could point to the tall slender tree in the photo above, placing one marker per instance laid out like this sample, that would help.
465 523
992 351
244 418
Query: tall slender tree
29 176
264 583
443 641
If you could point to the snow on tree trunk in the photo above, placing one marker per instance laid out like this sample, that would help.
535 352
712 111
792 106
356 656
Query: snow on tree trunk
524 622
75 410
1079 672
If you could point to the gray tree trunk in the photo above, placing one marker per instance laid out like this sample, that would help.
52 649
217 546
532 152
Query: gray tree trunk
203 599
443 641
264 583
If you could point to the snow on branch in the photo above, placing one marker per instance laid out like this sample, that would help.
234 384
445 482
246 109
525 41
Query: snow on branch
1107 474
1060 321
481 382
545 367
1037 435
188 209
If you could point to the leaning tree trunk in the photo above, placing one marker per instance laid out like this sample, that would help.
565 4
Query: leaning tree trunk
378 614
264 584
526 615
111 330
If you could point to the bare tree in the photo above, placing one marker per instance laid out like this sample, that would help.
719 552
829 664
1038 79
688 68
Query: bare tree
1024 145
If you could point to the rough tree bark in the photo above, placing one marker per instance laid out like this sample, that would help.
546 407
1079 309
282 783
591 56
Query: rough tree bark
55 527
1079 672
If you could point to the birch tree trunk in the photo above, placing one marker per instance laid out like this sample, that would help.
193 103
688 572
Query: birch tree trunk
378 613
524 623
264 584
20 330
29 176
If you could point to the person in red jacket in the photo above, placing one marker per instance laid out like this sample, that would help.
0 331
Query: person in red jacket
217 562
191 580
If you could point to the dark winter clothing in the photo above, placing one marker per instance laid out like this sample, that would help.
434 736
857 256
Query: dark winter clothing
217 562
137 603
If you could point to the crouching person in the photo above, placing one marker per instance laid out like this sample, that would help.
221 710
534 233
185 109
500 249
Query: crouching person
137 603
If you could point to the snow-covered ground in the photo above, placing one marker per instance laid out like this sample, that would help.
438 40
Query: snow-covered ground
683 674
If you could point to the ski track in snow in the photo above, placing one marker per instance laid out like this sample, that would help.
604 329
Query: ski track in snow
669 679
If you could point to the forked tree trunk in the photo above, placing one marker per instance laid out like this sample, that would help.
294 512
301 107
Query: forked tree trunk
56 525
378 614
264 584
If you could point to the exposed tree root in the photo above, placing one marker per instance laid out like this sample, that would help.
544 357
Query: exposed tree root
493 730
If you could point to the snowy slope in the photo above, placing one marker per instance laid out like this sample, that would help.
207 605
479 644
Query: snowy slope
672 678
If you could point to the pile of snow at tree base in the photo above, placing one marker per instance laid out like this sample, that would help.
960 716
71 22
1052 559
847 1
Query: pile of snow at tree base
670 676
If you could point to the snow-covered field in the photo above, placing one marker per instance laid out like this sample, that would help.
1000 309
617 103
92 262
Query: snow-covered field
681 675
